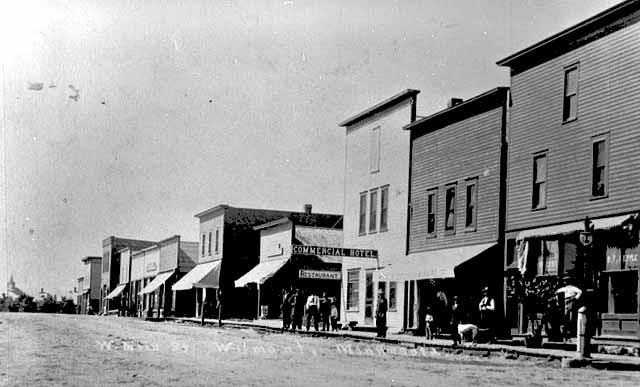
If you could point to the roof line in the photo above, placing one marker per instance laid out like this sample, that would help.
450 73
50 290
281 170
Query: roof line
459 106
506 61
384 105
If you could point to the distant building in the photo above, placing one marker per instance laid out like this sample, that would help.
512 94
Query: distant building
228 248
280 268
78 292
375 207
90 291
13 291
111 268
573 153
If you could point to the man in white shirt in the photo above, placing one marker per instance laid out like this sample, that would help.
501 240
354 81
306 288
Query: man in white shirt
571 295
312 306
487 309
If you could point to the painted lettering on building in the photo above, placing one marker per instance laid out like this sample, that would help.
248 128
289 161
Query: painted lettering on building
320 274
333 251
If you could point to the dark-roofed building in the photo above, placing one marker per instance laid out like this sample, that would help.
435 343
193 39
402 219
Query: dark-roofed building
573 153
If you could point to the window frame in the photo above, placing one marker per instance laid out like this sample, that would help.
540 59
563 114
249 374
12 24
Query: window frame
384 210
566 105
604 138
393 306
209 248
217 247
447 188
373 211
534 175
204 242
355 289
432 192
362 213
374 150
472 181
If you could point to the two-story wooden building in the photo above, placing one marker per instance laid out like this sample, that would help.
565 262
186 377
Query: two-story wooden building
573 153
456 219
91 285
376 186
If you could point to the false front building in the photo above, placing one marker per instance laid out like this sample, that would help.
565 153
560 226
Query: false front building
573 154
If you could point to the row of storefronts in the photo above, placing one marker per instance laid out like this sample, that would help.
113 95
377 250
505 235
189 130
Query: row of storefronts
539 178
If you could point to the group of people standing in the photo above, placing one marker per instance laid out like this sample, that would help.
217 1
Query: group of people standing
319 309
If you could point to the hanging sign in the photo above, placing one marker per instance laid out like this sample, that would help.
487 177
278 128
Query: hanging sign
320 274
333 251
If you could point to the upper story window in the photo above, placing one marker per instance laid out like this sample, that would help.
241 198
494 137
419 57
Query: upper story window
384 208
450 209
217 240
471 208
209 249
373 210
539 194
432 211
570 99
374 150
362 224
204 236
600 158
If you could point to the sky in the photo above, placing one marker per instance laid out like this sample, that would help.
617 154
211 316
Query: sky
127 118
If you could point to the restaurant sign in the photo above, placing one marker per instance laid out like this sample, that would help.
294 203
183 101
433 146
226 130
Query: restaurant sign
333 251
320 274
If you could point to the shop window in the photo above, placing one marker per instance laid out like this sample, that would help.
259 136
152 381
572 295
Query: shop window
362 227
570 100
209 248
393 288
623 291
599 167
569 256
471 209
373 210
432 211
384 208
450 209
353 285
539 194
547 258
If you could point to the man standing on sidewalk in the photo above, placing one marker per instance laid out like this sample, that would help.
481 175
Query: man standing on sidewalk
312 306
219 307
381 315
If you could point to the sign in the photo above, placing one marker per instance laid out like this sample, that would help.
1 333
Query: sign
152 266
622 260
586 238
334 251
320 274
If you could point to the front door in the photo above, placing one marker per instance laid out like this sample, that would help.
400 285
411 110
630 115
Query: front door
368 300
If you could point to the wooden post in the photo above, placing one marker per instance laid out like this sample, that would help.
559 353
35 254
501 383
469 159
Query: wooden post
584 340
258 302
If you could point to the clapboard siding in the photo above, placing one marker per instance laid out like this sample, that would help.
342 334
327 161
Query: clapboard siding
609 91
465 149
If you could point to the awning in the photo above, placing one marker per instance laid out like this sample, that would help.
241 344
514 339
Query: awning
431 264
261 273
568 228
204 275
155 284
116 292
314 236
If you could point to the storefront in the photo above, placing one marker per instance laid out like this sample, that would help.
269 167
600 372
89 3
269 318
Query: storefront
609 265
199 284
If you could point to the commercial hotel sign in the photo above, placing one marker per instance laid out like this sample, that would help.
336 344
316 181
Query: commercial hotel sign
333 251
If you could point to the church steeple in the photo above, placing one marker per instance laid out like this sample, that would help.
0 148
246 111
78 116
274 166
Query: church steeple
11 284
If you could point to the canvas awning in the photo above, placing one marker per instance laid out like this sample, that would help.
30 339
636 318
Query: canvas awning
568 228
204 275
116 292
313 236
261 273
156 282
431 264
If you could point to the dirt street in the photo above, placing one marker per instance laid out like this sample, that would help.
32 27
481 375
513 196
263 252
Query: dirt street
68 350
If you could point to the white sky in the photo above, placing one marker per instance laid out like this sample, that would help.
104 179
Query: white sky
184 105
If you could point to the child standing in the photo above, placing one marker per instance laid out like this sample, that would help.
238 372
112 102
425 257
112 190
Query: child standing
428 322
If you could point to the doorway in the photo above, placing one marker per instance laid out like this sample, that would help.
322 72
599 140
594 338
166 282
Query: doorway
368 300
